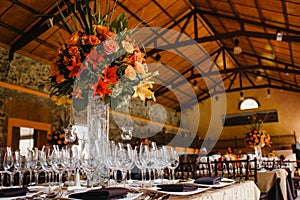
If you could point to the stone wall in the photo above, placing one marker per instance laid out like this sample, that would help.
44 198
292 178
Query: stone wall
31 74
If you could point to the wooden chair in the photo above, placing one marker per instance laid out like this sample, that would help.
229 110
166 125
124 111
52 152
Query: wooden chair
239 170
269 164
203 168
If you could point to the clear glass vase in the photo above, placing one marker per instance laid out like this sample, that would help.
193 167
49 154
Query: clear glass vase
258 155
98 136
98 120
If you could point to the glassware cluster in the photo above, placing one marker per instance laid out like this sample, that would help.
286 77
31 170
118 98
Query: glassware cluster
147 162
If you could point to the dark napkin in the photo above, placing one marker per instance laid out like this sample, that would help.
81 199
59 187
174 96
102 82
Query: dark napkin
103 194
208 180
177 187
13 192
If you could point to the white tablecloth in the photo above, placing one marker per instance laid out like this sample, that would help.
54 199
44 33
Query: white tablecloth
240 191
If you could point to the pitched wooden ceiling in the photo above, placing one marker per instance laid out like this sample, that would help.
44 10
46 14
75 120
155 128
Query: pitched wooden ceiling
214 24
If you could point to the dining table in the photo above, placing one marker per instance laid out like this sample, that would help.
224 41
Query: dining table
239 191
246 190
275 182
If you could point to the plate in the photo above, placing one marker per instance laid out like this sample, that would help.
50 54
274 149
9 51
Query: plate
224 182
199 190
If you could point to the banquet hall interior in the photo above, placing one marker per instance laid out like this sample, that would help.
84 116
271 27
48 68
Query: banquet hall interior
217 81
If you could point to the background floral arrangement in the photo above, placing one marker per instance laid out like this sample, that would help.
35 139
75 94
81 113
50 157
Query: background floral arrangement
100 58
256 136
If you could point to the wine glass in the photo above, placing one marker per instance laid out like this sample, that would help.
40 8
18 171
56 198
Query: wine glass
139 164
58 164
36 164
124 159
8 163
161 161
46 162
71 160
2 153
173 162
89 161
20 165
110 160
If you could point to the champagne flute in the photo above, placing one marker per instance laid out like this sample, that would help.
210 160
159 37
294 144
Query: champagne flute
8 163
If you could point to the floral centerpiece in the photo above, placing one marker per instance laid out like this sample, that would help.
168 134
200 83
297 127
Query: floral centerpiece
99 58
257 136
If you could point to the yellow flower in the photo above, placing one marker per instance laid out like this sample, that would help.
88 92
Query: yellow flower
143 91
63 100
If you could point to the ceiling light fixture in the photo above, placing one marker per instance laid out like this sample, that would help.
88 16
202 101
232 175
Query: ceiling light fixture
157 57
268 93
258 76
237 49
195 86
279 35
241 95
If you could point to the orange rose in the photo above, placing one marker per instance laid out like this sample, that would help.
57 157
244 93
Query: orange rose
73 39
93 40
73 50
104 32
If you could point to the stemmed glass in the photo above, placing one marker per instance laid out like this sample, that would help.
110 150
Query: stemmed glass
173 162
89 161
29 163
161 161
2 153
110 159
147 156
71 160
20 165
46 162
139 163
8 163
36 164
124 158
58 164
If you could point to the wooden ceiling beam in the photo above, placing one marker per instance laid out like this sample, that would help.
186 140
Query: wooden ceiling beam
39 28
256 23
265 58
249 88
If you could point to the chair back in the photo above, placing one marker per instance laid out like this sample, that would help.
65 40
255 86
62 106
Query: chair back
238 170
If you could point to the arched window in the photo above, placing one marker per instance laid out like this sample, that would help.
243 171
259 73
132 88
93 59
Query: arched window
248 103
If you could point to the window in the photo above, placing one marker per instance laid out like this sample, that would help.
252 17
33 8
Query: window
248 103
26 139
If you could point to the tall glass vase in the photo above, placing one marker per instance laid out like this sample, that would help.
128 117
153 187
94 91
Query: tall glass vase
98 135
258 155
98 120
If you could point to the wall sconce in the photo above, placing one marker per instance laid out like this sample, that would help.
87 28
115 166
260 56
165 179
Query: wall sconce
237 49
279 35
